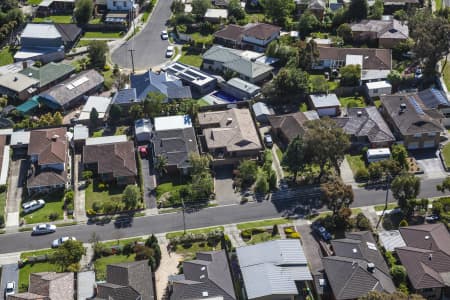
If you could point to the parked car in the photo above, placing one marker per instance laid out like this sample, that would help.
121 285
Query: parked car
164 35
43 229
170 51
432 218
143 151
418 73
32 205
321 231
10 288
268 140
123 221
58 242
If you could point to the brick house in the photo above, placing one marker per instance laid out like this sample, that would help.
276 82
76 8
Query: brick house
48 285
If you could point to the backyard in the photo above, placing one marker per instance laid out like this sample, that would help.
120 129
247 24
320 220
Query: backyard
332 85
65 19
446 154
6 56
355 101
52 211
96 193
190 58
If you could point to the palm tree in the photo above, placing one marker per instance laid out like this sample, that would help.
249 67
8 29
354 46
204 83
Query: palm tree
161 164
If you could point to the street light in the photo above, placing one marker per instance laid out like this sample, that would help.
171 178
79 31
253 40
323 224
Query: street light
184 217
388 181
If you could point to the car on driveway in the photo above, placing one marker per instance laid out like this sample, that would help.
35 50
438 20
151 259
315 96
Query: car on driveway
164 35
10 288
43 229
143 151
268 140
432 218
58 242
321 231
170 51
31 206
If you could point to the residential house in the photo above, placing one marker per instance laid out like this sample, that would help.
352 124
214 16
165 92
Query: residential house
377 88
289 126
49 157
120 5
199 82
100 104
174 138
49 75
245 64
335 5
55 7
388 33
416 126
127 281
317 8
163 82
73 91
366 127
375 63
216 15
221 3
275 270
229 135
240 89
70 34
20 139
18 86
435 99
48 285
391 6
426 258
125 98
207 276
41 42
357 267
326 105
112 161
262 112
143 130
254 36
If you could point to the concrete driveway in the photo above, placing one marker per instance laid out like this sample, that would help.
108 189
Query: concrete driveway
149 184
18 169
223 185
10 272
149 48
430 162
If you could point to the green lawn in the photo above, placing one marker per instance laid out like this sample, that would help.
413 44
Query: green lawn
190 58
262 237
35 2
438 4
356 162
101 263
171 235
24 273
53 204
446 154
66 19
332 85
202 102
121 242
109 78
199 38
190 251
389 207
6 56
2 203
254 18
95 21
167 187
352 101
36 253
94 194
446 75
262 223
101 35
145 16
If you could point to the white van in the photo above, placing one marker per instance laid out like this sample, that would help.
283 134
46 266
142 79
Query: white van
32 205
378 154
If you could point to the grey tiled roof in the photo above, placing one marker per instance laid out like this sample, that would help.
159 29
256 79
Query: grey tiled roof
163 83
125 96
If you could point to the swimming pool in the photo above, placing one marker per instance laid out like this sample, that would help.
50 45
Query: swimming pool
226 97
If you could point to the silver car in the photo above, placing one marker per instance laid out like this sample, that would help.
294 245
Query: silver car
32 205
10 288
58 242
43 229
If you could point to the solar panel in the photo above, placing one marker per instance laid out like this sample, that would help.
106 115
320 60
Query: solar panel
416 105
439 96
80 81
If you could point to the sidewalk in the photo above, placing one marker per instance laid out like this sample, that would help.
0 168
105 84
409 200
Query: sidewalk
276 164
79 194
86 260
347 174
233 233
371 214
168 266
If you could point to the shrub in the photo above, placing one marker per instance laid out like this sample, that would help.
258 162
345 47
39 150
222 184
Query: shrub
3 188
288 230
246 234
226 243
53 216
391 260
362 222
2 221
274 230
403 223
97 206
437 208
362 175
387 223
244 200
257 230
398 274
106 68
98 250
91 212
107 251
294 235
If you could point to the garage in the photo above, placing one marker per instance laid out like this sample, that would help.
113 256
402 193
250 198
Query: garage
325 104
429 144
413 145
331 112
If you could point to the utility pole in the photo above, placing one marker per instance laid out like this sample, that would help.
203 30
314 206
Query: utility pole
132 59
184 217
388 181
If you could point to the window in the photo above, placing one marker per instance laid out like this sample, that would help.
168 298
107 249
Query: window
375 91
431 133
114 3
124 3
417 135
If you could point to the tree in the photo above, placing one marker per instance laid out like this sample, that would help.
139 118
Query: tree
93 118
357 10
235 10
336 195
202 186
131 196
325 143
136 111
69 253
377 9
177 7
345 32
444 186
199 7
115 112
247 172
307 23
87 175
395 78
398 274
319 84
405 187
83 11
374 295
97 51
199 163
350 75
160 164
307 54
294 158
153 104
262 183
279 11
400 155
288 84
57 118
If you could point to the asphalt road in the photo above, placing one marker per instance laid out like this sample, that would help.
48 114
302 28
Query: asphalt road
149 49
207 217
10 272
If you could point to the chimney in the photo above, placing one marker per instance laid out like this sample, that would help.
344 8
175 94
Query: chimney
15 78
359 113
25 64
402 107
370 267
430 256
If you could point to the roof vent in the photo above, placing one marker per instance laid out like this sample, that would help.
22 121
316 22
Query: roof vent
229 120
205 294
354 250
15 78
370 267
427 237
55 137
30 74
430 256
402 107
359 113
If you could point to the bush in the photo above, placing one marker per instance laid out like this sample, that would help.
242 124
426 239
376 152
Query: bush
391 260
2 221
362 222
246 234
403 223
107 251
437 208
97 206
398 274
294 235
53 216
387 223
288 230
274 230
3 188
362 175
244 200
257 230
91 212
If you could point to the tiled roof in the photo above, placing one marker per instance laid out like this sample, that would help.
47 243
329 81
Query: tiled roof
69 32
125 96
231 32
50 145
164 83
378 59
48 73
292 125
261 31
392 29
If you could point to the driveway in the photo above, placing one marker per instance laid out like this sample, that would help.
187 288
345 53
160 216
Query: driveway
430 163
149 184
18 169
311 248
10 272
149 49
223 186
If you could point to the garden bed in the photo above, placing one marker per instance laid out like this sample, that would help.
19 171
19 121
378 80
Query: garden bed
262 223
413 166
257 235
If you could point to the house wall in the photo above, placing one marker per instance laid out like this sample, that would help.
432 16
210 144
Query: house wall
423 141
30 42
119 4
372 93
47 188
389 43
240 94
258 42
212 65
431 294
22 95
226 43
57 7
362 36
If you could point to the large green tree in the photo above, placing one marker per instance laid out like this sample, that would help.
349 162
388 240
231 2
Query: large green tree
405 188
131 196
199 163
287 85
68 255
279 11
153 104
248 170
83 11
345 32
115 112
97 51
235 10
374 295
357 10
294 158
307 23
377 9
350 75
307 54
336 195
199 7
400 155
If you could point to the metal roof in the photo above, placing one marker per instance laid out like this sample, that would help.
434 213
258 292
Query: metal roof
243 85
41 31
20 138
101 104
80 132
172 122
261 108
324 100
106 140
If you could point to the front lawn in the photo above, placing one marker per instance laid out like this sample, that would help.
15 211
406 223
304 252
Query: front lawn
101 263
2 204
65 19
53 205
390 206
203 102
95 194
262 223
6 56
122 242
202 39
446 154
25 271
34 2
101 35
446 75
352 102
356 162
169 193
190 58
189 251
262 237
207 230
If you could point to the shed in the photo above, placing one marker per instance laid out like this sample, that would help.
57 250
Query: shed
216 14
378 88
20 139
325 104
378 154
101 105
28 106
261 112
80 133
143 130
241 89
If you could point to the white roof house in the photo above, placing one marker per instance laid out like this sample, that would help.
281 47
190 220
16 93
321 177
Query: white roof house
106 140
216 13
143 130
20 138
80 132
378 85
101 104
43 31
273 268
172 122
